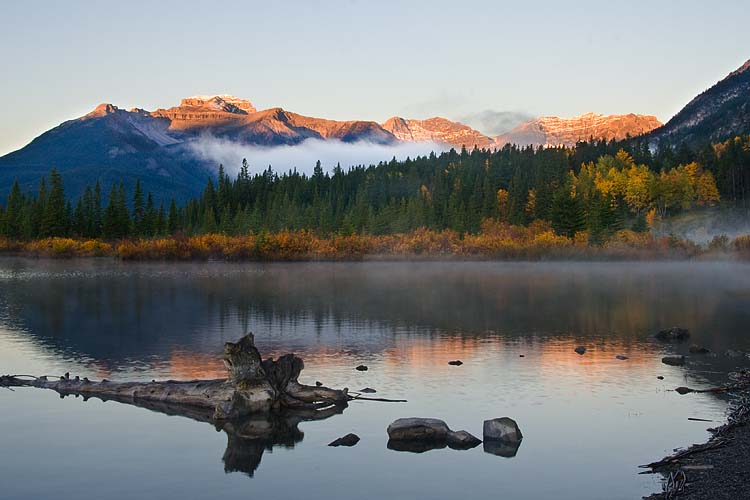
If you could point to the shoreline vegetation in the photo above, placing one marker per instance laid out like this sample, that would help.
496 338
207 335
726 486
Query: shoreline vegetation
496 240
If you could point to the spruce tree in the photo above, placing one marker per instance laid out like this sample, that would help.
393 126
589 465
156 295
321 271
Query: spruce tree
54 219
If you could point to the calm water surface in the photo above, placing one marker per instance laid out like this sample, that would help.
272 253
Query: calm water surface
588 421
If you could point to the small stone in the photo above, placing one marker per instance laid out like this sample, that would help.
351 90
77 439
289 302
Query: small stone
462 440
621 357
674 333
580 350
361 368
318 383
348 440
456 362
673 360
368 390
521 356
660 377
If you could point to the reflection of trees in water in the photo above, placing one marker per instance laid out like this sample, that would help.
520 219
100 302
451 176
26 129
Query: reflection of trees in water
147 310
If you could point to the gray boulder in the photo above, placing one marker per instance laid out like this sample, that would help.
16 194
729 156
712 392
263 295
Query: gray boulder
418 429
462 440
503 429
502 437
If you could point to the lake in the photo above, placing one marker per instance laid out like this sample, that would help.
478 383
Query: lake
588 421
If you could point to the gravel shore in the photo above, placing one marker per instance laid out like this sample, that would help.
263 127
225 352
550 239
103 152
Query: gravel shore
718 469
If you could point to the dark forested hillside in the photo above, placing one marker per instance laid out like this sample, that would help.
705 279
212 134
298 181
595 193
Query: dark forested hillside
595 188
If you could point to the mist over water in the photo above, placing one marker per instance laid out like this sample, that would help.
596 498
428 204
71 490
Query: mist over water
303 156
125 321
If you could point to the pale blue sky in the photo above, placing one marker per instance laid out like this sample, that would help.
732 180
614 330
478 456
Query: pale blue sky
363 59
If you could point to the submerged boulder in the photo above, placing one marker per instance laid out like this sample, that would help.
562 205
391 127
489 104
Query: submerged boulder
415 446
462 440
674 333
673 360
418 429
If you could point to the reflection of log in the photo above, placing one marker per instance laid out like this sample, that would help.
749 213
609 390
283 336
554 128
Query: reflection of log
259 406
254 386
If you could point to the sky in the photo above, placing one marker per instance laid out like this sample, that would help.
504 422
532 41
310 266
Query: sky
489 63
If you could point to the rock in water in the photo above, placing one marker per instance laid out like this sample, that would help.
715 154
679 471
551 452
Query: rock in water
462 440
502 437
621 357
457 362
581 350
348 440
673 360
418 429
502 429
368 390
673 333
361 368
696 349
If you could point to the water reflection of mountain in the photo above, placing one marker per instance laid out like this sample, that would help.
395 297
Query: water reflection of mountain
116 312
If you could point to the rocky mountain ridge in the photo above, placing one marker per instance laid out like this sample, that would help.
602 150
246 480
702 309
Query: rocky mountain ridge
554 131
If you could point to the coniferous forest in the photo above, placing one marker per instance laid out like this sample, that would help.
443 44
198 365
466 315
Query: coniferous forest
591 191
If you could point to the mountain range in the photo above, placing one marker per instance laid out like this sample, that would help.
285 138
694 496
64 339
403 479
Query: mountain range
116 145
719 113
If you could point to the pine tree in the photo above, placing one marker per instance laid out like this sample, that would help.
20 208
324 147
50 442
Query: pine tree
172 221
12 226
138 210
54 219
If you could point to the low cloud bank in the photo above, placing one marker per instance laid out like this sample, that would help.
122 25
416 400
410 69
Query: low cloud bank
303 156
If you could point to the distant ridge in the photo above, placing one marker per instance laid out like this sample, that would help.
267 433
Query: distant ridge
719 113
554 131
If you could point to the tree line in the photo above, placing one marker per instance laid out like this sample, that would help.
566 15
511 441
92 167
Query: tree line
595 186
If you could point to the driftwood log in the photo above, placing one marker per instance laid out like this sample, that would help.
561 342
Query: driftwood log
253 386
